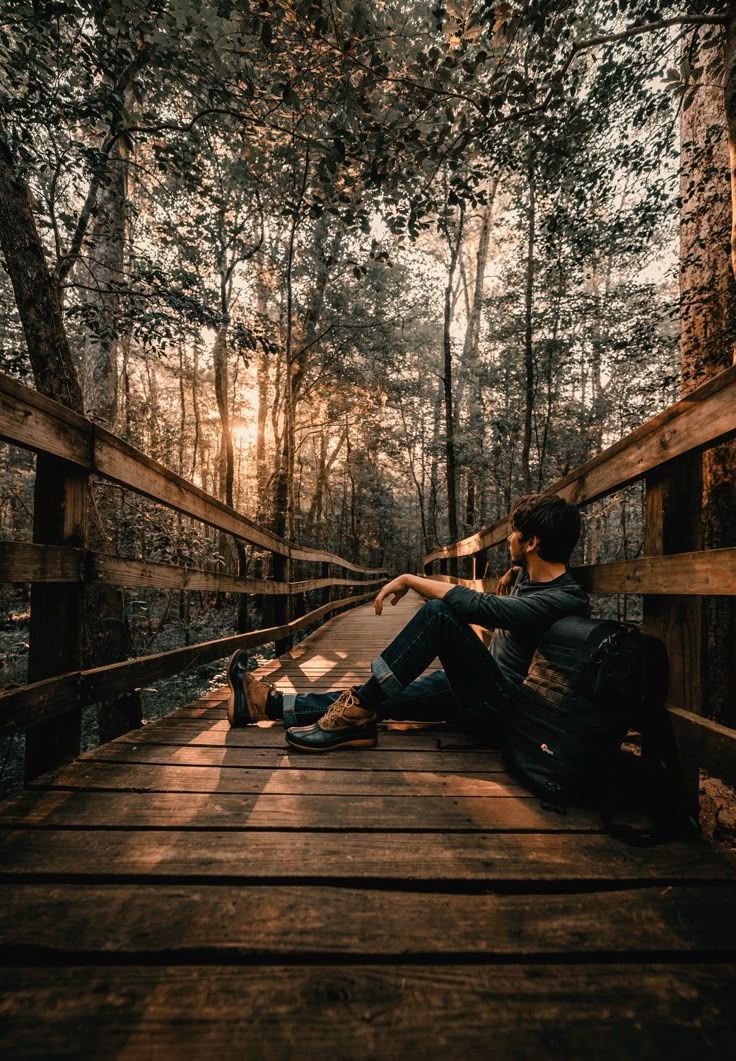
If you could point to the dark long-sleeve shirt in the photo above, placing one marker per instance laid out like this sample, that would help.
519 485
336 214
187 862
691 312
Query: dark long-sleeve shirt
520 619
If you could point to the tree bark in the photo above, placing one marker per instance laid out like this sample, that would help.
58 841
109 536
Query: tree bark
37 294
39 304
708 334
454 242
106 259
528 332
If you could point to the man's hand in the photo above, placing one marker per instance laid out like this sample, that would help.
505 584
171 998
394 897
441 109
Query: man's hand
395 587
505 582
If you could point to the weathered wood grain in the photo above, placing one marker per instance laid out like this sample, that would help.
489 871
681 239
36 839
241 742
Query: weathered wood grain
320 857
603 1011
30 562
495 811
96 775
711 571
254 923
707 743
217 733
362 759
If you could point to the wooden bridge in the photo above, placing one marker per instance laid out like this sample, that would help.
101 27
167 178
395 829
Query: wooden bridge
187 890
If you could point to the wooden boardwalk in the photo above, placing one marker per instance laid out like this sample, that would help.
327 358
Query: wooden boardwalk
189 891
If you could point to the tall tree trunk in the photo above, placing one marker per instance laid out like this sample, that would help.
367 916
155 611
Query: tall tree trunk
708 334
454 242
107 632
262 380
195 411
222 396
106 251
729 99
469 358
526 440
37 294
38 298
434 467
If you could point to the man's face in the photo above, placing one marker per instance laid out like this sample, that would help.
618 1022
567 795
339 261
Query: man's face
517 552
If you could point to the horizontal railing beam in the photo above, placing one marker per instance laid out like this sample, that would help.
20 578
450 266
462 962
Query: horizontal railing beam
705 743
27 562
42 700
703 418
31 420
298 552
710 572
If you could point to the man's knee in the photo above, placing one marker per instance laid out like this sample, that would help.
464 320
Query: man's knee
436 607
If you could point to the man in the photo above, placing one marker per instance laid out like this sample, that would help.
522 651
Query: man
476 686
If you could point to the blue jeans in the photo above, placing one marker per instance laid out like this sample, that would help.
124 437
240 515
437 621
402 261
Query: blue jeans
471 690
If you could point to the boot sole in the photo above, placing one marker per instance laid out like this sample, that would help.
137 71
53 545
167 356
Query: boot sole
357 742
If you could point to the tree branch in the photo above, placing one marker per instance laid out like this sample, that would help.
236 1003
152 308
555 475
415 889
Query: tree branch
608 38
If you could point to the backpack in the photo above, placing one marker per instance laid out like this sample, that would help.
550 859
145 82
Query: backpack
589 683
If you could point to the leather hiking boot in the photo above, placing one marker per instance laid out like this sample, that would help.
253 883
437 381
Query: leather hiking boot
248 695
345 725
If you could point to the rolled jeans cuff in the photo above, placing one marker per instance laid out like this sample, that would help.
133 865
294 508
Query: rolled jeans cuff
390 684
289 706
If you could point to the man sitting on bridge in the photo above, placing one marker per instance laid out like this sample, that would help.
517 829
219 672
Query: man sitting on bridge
476 687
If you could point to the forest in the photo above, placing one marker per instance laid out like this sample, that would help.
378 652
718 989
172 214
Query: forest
365 270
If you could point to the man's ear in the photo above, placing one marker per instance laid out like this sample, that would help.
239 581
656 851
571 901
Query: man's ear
531 545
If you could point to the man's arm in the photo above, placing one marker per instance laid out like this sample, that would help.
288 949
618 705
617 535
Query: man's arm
398 587
506 582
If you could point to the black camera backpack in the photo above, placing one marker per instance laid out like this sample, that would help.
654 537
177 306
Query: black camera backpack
590 682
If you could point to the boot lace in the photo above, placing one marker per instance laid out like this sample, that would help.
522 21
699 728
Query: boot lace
346 701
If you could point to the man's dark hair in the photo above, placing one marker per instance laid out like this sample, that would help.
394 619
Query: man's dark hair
550 518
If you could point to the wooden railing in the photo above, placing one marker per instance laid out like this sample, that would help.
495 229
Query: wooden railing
59 565
674 570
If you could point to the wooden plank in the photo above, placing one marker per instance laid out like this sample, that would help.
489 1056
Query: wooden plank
443 1011
137 573
408 813
30 562
285 758
319 556
30 420
122 463
707 744
320 857
173 922
711 571
43 700
217 733
707 415
96 775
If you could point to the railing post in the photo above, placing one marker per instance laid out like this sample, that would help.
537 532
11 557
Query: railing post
325 573
480 563
281 567
57 609
672 525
